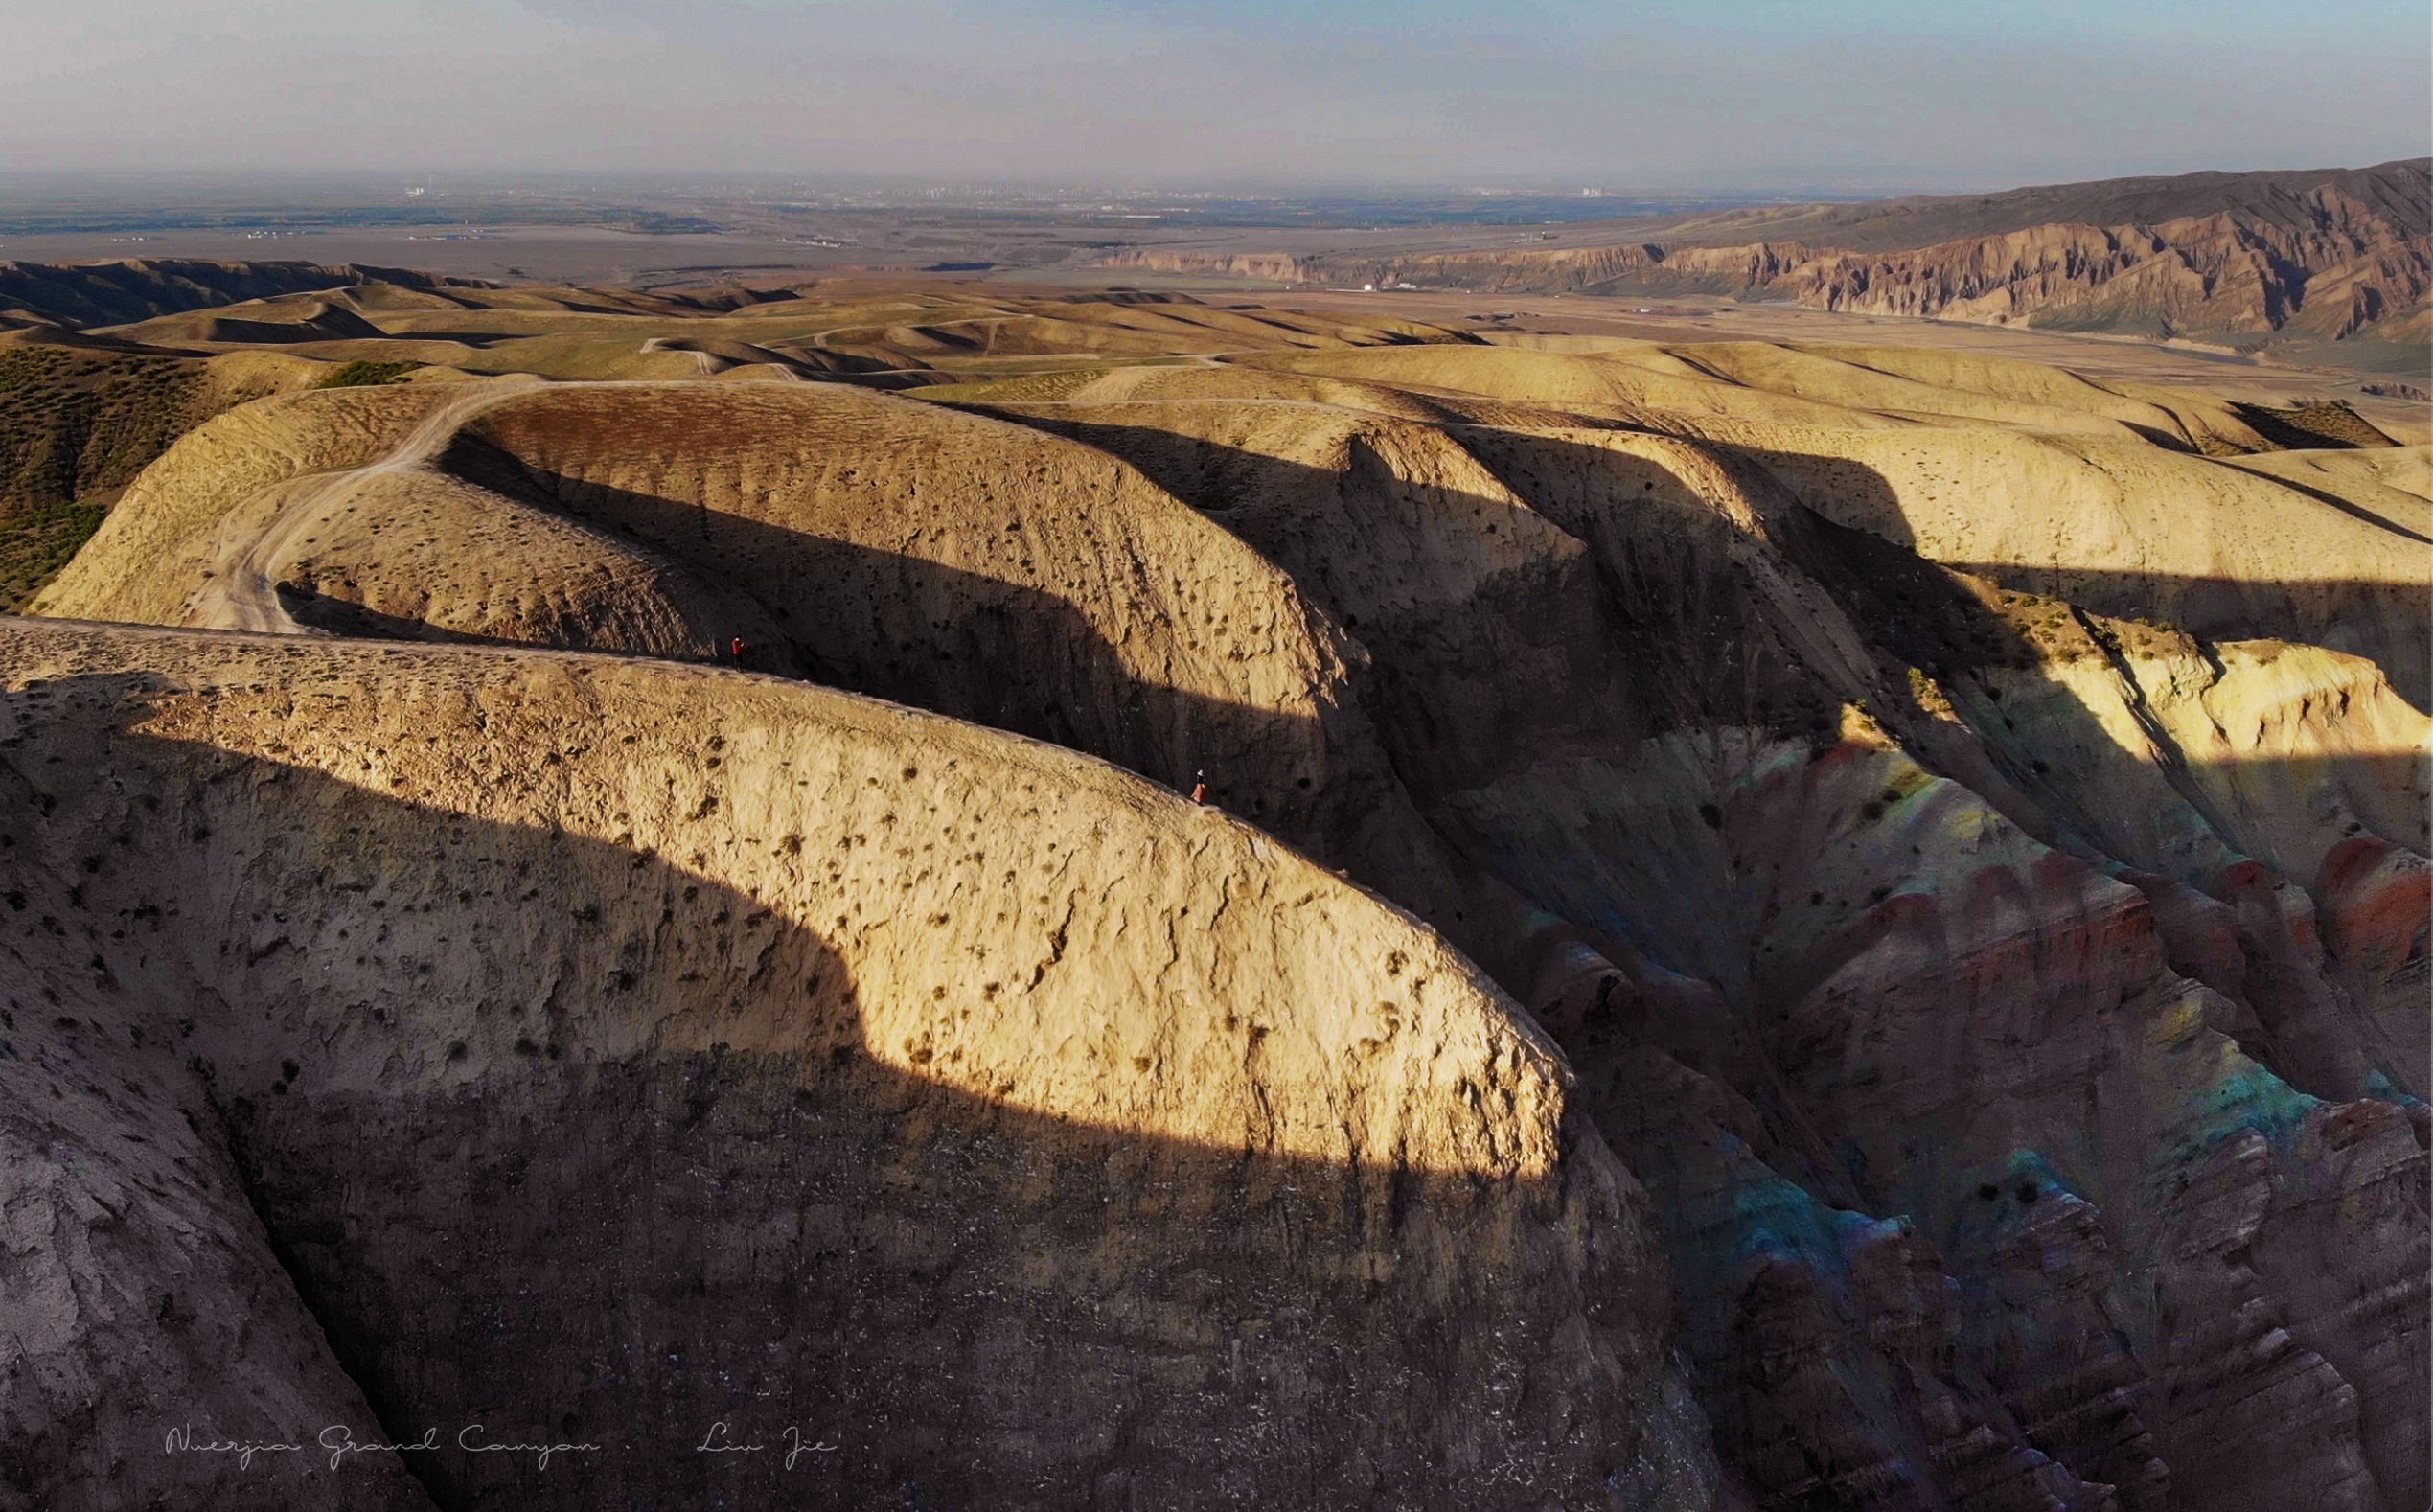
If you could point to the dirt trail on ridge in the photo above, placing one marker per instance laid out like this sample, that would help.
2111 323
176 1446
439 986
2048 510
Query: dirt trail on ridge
242 594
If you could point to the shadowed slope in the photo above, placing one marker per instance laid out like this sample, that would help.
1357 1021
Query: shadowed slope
136 288
1877 933
885 1105
1993 992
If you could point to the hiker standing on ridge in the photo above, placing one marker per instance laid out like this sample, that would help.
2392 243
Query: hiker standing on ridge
738 649
1199 788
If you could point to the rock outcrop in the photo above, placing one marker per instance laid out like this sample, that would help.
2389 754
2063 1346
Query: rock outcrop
2210 258
610 1049
1955 854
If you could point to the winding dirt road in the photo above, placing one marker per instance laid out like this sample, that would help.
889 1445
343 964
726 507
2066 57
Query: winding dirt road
242 593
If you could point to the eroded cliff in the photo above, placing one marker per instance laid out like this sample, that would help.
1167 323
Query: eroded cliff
1954 852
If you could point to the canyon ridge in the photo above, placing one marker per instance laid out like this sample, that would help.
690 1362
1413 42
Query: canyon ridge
964 892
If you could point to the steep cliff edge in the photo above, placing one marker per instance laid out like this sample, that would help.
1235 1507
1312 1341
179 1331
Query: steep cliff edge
1960 849
603 1046
2249 260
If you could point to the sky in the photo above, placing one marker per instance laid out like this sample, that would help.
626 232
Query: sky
1866 95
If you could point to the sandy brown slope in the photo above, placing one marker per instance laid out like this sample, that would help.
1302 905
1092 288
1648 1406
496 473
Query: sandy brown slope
1746 904
2119 524
578 1034
872 333
1051 591
2012 1008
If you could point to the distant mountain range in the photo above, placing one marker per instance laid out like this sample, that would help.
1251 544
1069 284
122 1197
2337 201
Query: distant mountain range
2331 266
2288 260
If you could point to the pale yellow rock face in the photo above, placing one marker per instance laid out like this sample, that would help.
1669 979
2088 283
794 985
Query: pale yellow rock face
2132 531
1775 925
2073 506
413 887
2392 483
2304 747
985 896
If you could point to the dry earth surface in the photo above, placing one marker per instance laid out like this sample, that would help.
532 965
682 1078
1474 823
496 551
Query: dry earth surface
2332 265
1781 924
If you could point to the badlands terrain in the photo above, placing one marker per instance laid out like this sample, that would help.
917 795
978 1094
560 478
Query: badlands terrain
1777 924
2333 265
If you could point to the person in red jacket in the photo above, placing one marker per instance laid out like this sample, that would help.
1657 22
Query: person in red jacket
738 649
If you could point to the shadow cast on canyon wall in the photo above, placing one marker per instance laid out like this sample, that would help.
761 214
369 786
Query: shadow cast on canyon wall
1487 644
574 1142
1690 638
1704 621
2385 622
2339 1029
360 622
2225 927
1666 625
933 637
1656 632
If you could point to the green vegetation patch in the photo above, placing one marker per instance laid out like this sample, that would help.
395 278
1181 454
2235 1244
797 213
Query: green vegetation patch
36 543
74 422
360 373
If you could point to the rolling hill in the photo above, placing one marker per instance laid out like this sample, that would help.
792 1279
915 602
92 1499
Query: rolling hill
1775 924
80 294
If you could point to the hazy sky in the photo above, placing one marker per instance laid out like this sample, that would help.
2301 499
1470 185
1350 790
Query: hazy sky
1713 93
